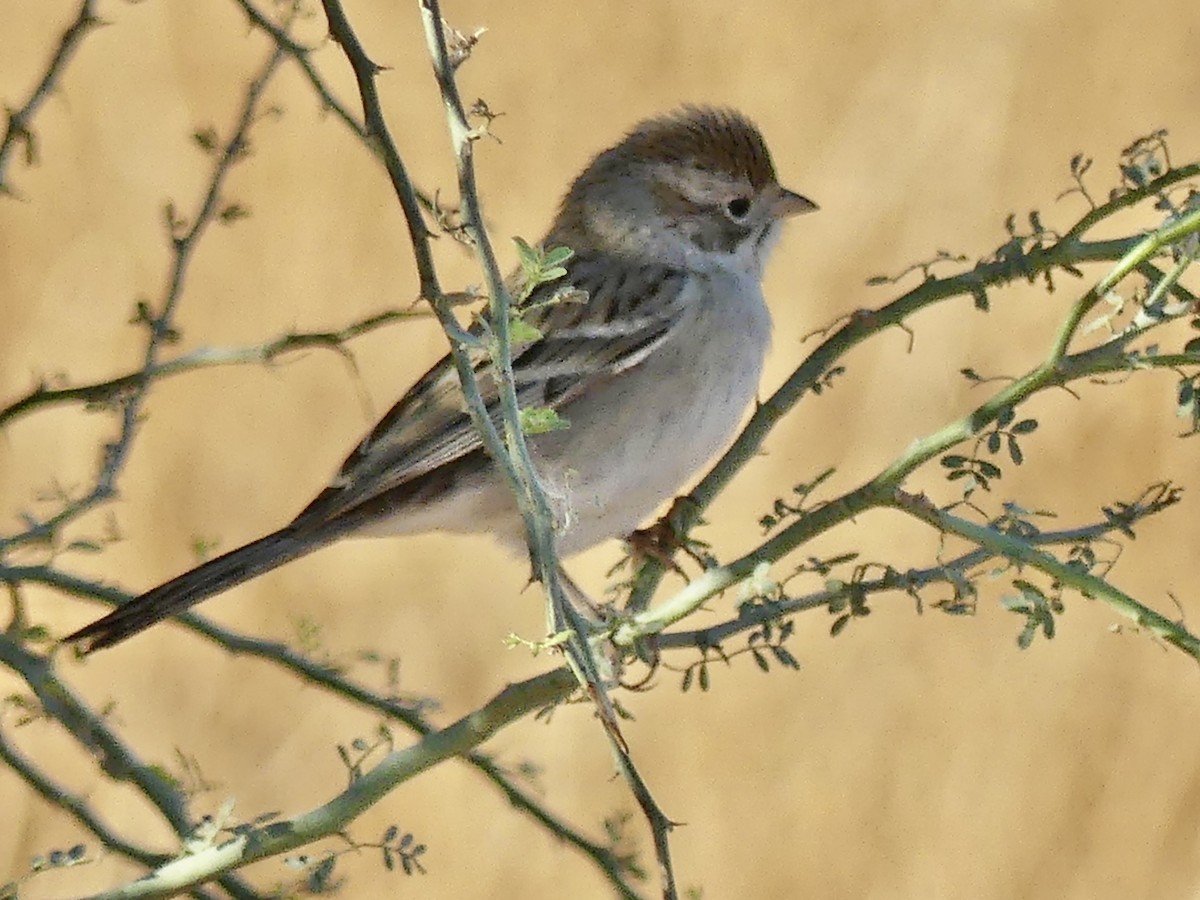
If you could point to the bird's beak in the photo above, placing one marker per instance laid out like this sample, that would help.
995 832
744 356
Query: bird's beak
788 203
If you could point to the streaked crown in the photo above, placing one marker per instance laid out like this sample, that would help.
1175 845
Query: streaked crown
695 188
713 140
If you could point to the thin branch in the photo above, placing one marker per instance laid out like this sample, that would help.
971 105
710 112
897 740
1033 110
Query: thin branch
18 130
531 494
160 324
1144 249
883 489
1070 250
323 675
299 54
365 71
109 390
385 147
91 731
1130 198
1152 501
72 804
1020 551
522 475
511 705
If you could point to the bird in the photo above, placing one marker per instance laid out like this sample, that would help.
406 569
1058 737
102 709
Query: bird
651 362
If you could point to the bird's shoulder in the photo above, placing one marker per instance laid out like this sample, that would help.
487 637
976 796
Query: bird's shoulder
603 317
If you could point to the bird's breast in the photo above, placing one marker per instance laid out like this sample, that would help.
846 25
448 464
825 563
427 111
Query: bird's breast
638 439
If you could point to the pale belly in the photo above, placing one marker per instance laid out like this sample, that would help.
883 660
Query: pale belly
634 442
643 437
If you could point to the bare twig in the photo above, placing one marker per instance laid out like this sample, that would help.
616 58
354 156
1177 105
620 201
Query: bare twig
1070 250
90 731
112 389
1020 551
18 130
300 54
322 675
159 323
381 140
1152 501
512 704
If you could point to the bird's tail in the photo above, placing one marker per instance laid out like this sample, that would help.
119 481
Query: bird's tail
198 584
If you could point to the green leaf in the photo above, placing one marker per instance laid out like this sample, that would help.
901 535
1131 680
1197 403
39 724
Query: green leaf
1030 590
1048 626
1015 604
541 419
785 657
987 470
530 258
521 332
1014 451
556 256
1025 638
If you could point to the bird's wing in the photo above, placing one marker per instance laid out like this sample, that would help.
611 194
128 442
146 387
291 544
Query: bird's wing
604 327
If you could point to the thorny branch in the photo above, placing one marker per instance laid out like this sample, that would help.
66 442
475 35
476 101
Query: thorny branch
1130 254
273 838
329 677
112 389
19 130
956 572
1026 256
127 391
89 728
159 322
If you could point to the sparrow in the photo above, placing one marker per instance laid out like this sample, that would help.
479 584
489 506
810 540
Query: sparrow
651 361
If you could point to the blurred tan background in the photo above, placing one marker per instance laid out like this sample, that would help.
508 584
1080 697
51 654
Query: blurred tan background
910 757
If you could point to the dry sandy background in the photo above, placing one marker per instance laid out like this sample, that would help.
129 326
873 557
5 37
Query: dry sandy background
912 756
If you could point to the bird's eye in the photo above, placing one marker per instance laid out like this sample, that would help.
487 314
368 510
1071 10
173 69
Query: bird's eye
738 207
